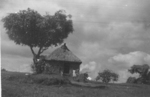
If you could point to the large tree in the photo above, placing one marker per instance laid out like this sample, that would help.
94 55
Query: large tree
106 76
28 27
143 71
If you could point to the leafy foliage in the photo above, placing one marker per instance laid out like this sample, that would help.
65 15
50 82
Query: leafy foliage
106 76
28 27
143 71
82 77
39 67
45 79
131 80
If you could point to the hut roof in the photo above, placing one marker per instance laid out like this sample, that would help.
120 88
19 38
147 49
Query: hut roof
63 54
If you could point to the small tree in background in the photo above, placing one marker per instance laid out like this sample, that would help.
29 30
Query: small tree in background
106 76
143 71
28 27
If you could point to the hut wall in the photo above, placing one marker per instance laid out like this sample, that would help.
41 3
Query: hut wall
53 67
75 66
56 67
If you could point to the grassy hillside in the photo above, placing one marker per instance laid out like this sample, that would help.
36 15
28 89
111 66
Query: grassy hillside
16 84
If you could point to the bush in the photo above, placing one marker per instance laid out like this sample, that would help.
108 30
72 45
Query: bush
50 79
43 79
131 80
81 77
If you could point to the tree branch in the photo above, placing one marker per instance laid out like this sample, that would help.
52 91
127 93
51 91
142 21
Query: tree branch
39 52
32 50
43 49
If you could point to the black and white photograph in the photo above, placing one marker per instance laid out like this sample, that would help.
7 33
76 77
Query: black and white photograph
75 48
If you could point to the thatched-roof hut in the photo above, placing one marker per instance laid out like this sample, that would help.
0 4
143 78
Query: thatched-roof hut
62 61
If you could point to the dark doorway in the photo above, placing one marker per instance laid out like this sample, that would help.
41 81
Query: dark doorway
66 68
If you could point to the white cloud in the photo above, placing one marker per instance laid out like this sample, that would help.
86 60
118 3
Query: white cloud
91 66
132 58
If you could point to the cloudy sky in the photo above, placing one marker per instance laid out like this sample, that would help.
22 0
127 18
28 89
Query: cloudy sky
109 34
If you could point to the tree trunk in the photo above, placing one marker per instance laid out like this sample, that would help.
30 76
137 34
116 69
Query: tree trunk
36 65
35 59
35 56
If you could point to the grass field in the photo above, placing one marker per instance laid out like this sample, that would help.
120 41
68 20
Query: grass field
14 86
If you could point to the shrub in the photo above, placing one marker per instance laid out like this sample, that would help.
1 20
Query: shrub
81 77
45 79
131 80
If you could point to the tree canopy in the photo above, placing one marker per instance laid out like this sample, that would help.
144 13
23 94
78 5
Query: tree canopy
107 76
143 71
28 27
